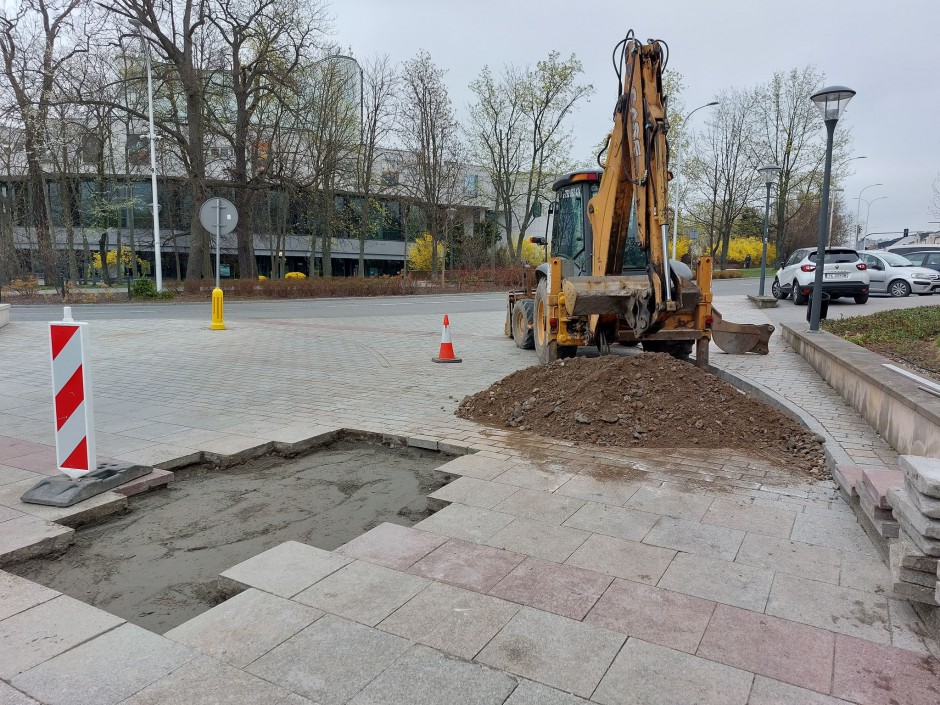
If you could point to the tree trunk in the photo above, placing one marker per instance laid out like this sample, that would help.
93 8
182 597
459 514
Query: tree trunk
39 209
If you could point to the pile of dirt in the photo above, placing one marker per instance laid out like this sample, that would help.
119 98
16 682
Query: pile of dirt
650 401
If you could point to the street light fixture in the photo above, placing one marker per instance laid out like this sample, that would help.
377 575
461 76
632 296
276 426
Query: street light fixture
858 211
675 223
770 173
831 102
867 216
158 265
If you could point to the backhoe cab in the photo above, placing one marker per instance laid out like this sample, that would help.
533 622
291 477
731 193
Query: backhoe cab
609 278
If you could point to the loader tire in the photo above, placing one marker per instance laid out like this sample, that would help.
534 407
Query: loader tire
545 347
522 324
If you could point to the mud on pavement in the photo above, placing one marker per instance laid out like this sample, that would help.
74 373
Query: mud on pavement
158 565
643 401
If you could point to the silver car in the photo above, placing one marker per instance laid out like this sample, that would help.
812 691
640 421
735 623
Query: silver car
893 274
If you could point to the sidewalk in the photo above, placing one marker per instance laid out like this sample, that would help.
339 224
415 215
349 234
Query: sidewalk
558 574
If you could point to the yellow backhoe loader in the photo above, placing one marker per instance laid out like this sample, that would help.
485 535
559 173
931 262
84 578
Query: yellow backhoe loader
609 278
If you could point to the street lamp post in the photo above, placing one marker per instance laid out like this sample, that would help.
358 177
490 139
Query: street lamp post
867 216
832 210
831 102
675 222
158 265
858 210
769 173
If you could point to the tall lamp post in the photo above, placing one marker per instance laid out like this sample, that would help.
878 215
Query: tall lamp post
769 173
867 216
158 264
675 222
831 102
858 211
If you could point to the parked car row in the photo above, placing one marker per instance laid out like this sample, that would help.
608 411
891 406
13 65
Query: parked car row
847 273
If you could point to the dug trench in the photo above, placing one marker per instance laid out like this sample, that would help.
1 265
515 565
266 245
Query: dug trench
158 564
649 400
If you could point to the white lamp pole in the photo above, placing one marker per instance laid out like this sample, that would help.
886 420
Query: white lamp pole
158 264
858 212
675 222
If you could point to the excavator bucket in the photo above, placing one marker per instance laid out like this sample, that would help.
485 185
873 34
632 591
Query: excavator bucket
740 338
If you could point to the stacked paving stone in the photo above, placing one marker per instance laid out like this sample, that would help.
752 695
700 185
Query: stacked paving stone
916 554
870 485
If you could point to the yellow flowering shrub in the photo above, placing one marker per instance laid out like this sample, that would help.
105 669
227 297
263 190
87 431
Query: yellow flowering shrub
295 275
420 254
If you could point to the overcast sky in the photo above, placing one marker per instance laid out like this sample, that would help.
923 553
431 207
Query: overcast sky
886 51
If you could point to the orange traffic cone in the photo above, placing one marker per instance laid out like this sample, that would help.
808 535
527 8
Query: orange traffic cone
447 346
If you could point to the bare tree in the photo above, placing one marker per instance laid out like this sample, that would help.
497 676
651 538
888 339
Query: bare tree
518 133
433 151
934 208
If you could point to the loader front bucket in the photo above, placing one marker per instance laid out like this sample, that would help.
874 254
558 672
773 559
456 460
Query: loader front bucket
740 338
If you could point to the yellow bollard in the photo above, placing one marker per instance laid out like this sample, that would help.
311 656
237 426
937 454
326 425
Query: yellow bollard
217 322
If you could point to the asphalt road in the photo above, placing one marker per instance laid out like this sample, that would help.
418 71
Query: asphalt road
454 304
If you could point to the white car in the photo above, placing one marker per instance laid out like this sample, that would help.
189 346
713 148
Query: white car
890 273
844 274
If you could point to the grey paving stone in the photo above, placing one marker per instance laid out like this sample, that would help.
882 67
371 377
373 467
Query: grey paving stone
905 510
747 517
88 510
331 660
536 538
629 524
8 475
467 523
205 681
105 670
670 502
41 632
767 691
242 629
864 573
18 594
720 581
286 569
477 466
793 557
648 674
424 676
843 534
474 492
11 696
294 699
6 514
364 592
838 609
604 490
539 646
540 506
451 619
907 629
28 536
693 537
533 477
923 473
532 693
623 559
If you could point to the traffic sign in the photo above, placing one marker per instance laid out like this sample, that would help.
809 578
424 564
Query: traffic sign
218 216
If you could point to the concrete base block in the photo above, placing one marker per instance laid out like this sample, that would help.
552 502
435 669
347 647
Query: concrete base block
763 301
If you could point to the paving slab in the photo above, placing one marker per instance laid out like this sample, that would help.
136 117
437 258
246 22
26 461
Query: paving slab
532 693
152 480
533 477
923 473
767 691
468 523
391 545
848 477
793 557
331 660
844 534
907 629
539 646
622 559
105 670
19 594
540 506
560 589
91 509
912 557
536 538
837 609
732 584
670 502
928 506
9 475
604 490
878 481
423 676
747 517
28 536
451 619
364 592
864 573
474 492
286 569
661 616
477 466
11 696
649 674
694 537
205 681
904 510
874 674
777 648
247 626
468 565
37 634
629 524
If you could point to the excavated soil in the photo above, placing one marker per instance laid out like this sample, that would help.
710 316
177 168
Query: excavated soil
645 401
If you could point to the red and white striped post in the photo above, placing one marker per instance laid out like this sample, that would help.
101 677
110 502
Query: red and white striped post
71 389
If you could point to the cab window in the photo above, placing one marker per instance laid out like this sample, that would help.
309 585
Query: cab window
568 232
